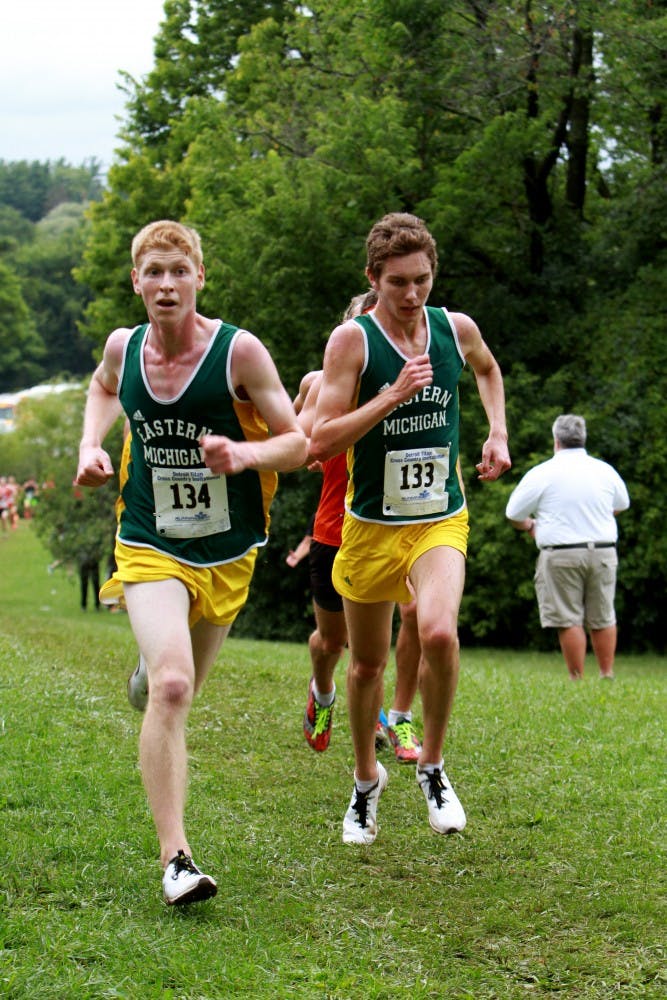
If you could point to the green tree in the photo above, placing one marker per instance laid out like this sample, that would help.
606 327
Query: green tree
21 349
530 136
71 521
624 389
194 48
24 186
55 299
41 240
34 188
15 229
196 45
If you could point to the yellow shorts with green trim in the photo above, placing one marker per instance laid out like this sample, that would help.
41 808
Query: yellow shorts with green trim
217 593
374 560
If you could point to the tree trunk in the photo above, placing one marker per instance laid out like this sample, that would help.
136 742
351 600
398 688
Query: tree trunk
577 141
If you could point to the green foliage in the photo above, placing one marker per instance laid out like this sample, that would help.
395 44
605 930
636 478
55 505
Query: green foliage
625 386
499 602
529 136
15 229
196 46
633 79
55 299
247 274
21 350
25 187
72 522
35 188
76 525
42 227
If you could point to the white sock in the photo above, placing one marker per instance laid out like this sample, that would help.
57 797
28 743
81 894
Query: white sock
394 716
430 768
365 786
324 699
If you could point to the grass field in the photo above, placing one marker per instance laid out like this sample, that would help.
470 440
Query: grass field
555 889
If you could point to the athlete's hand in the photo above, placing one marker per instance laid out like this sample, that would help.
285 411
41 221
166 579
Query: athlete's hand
495 458
222 455
416 374
95 468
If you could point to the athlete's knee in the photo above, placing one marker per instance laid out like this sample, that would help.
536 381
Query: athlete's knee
408 613
327 643
172 686
366 670
331 646
438 637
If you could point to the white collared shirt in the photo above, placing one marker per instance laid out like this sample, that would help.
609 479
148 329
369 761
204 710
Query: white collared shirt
572 497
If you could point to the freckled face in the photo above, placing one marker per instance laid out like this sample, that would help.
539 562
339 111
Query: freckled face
404 286
168 282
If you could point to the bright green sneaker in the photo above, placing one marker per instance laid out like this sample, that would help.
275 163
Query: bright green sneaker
404 740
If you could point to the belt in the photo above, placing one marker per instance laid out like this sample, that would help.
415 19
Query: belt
583 545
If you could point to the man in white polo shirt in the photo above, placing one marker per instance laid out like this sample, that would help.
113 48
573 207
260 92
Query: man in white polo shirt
568 504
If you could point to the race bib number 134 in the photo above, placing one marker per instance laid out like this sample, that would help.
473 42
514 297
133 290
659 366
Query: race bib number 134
190 503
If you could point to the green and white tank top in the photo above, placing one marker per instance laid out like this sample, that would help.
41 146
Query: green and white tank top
171 502
405 469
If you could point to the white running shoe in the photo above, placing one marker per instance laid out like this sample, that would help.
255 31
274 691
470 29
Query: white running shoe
360 821
137 686
445 812
183 883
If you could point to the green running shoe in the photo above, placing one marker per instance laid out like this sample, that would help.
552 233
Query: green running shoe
403 738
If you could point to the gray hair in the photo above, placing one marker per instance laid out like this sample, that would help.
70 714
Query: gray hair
569 430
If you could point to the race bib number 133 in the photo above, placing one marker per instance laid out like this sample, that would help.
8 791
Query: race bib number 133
415 482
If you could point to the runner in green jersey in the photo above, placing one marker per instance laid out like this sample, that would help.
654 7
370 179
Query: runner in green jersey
211 425
389 397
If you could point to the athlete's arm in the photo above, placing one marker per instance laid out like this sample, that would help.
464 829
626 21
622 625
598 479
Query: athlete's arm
101 412
255 377
495 453
307 382
338 424
306 412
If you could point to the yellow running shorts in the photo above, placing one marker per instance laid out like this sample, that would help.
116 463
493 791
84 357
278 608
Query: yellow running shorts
217 593
374 560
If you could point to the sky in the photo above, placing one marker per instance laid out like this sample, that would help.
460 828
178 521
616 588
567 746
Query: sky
59 71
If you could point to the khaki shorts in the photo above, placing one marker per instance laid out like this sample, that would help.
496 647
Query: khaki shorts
217 593
576 587
374 560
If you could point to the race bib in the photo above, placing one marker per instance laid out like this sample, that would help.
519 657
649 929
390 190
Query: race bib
415 482
190 503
